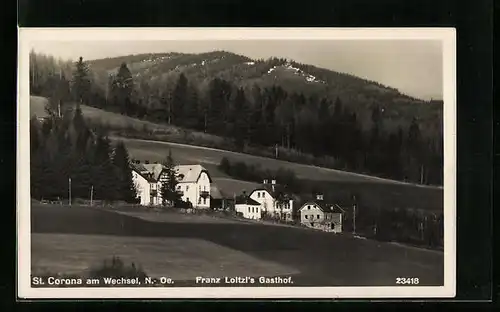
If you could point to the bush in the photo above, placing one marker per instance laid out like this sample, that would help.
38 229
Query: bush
225 165
116 268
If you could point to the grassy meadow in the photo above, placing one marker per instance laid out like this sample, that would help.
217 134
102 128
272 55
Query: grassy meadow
70 238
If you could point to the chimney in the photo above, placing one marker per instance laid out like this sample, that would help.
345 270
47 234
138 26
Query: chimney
319 196
264 182
147 162
273 182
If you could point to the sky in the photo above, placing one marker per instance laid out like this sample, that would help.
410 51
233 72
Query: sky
414 67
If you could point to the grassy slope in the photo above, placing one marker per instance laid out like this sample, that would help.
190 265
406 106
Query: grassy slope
177 258
374 192
322 258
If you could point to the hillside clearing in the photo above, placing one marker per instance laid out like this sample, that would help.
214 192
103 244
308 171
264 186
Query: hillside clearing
375 191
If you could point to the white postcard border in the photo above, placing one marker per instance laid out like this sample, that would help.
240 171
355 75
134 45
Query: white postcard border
28 35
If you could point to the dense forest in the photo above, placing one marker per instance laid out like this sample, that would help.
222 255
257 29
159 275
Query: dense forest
256 115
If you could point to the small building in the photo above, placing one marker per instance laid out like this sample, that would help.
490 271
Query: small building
250 208
321 215
274 200
219 200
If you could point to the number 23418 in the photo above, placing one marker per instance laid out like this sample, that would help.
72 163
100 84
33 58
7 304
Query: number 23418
407 280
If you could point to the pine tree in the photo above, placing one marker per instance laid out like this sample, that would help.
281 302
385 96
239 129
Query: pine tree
103 173
240 129
122 88
179 100
81 82
125 184
191 108
168 189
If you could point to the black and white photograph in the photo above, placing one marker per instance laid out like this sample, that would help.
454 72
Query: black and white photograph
236 163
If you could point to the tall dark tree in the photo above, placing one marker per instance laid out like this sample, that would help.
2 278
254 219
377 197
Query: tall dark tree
168 190
179 100
81 82
122 88
125 184
241 115
191 108
103 173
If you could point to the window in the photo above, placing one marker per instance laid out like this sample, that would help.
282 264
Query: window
187 188
309 207
204 201
317 217
258 194
204 188
257 210
306 216
248 209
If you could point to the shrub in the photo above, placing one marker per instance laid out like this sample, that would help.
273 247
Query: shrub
225 165
116 268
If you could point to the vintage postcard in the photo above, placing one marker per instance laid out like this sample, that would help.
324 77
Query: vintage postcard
236 163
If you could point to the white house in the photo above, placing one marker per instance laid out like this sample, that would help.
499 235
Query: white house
193 183
323 216
248 207
268 196
147 184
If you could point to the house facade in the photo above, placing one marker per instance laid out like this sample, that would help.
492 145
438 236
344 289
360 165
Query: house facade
322 216
273 200
248 207
147 183
193 184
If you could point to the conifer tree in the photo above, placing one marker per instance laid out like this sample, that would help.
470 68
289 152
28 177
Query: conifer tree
125 184
122 88
168 189
81 82
179 100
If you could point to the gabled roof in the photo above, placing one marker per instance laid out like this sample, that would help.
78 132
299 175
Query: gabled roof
246 200
146 171
215 192
186 173
190 173
269 188
324 206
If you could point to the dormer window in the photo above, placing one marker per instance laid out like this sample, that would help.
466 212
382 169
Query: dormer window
258 194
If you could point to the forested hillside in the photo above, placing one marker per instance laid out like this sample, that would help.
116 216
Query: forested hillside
356 124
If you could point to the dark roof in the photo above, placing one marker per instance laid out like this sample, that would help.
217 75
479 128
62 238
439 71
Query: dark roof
269 188
148 176
325 206
246 200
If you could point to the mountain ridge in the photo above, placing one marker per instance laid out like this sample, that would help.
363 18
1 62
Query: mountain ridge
159 70
113 63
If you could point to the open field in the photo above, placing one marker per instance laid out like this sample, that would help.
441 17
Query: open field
177 258
320 258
